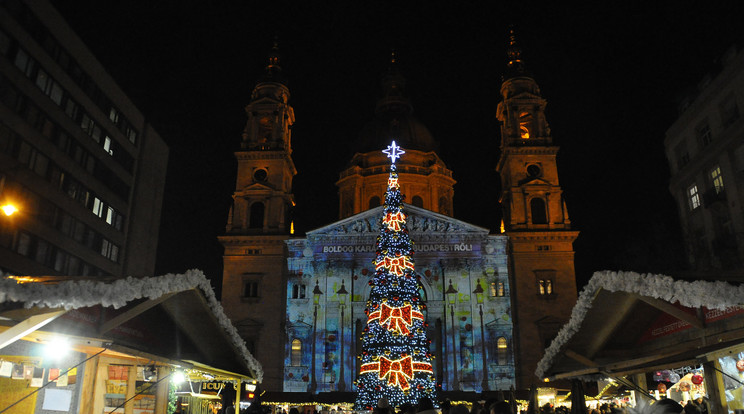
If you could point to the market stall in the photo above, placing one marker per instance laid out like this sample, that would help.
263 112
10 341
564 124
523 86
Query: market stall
625 325
115 346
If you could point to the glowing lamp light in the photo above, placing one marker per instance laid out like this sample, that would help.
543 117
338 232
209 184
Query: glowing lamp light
178 377
9 209
57 348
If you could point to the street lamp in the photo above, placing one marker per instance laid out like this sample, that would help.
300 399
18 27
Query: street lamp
478 291
451 298
342 304
316 301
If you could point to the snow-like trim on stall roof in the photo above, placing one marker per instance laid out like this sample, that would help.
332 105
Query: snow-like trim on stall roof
711 294
74 294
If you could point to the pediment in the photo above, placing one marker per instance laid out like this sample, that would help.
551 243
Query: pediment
257 187
419 221
534 181
526 95
266 100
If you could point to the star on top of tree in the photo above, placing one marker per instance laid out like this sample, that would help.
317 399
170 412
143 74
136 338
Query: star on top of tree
393 151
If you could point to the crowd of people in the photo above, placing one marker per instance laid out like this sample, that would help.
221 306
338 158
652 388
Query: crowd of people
426 406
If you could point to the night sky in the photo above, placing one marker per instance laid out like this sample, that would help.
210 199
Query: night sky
612 73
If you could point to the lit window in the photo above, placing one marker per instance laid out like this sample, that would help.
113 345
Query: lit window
717 179
497 289
693 197
110 216
107 145
296 352
524 125
545 287
97 207
503 348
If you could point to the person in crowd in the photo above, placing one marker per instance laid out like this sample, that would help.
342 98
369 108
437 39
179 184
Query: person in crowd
666 406
383 407
487 405
500 407
294 410
477 408
407 408
445 406
459 409
702 404
425 406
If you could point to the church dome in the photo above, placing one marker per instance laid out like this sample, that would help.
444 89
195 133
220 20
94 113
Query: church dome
394 119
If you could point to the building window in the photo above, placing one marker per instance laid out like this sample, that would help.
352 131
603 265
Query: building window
543 248
502 347
525 121
257 216
693 197
250 289
729 111
545 287
704 135
717 179
497 289
683 156
374 202
298 291
417 201
296 353
539 215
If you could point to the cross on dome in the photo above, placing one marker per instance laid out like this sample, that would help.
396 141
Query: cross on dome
393 151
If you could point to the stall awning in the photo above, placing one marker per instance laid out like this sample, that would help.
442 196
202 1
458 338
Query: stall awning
625 323
173 319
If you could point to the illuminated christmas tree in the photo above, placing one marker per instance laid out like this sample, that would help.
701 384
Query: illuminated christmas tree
395 358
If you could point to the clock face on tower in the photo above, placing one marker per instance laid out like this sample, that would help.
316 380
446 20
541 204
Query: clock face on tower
260 175
533 170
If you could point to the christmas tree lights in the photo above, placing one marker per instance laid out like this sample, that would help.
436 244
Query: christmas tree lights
395 359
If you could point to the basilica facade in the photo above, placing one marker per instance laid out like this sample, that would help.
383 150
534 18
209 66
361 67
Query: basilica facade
493 300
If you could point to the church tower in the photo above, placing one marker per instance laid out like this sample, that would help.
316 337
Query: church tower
535 218
260 222
424 178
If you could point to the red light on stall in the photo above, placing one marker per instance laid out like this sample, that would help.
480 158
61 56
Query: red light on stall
251 395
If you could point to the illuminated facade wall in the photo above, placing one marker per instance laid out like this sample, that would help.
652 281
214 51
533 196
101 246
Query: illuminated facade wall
446 250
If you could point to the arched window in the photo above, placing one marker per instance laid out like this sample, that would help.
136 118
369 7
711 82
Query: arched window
525 121
539 215
417 201
296 352
503 351
256 219
374 202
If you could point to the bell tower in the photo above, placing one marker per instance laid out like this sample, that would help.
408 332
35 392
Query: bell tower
263 200
259 223
535 218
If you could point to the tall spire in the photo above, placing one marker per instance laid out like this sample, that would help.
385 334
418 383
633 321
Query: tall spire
515 64
394 99
274 68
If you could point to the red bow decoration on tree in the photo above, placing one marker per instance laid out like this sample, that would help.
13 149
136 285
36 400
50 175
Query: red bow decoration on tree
393 221
395 265
397 372
396 319
393 182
